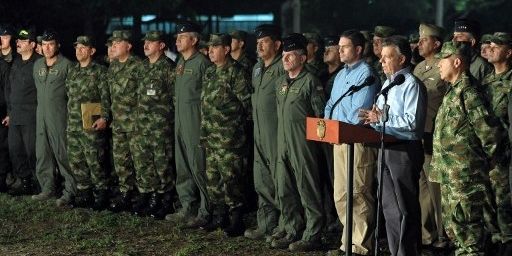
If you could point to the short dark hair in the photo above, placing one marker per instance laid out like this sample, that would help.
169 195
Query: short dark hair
356 37
402 44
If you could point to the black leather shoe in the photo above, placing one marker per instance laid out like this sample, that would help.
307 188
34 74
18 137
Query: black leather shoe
236 225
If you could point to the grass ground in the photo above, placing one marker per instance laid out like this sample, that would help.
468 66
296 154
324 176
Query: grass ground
39 228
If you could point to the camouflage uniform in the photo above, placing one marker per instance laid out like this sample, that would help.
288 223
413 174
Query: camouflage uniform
154 115
297 172
123 82
225 101
246 62
496 88
87 150
465 139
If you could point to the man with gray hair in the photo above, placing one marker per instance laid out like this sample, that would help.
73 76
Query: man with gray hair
404 158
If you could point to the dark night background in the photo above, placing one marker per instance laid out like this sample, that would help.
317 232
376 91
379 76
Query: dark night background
73 17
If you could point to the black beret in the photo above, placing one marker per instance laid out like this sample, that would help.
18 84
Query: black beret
294 41
188 26
267 30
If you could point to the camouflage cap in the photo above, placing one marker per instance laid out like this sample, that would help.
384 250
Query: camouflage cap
267 30
220 39
313 38
239 35
6 29
294 41
121 35
85 40
501 38
450 48
331 41
187 26
413 38
49 35
486 39
26 34
39 39
202 45
154 35
430 30
384 31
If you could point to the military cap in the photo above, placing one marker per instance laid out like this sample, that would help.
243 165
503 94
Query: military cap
486 39
39 39
239 35
219 39
187 26
431 30
267 30
25 34
384 31
49 35
294 41
467 25
331 40
313 38
202 45
368 35
121 35
501 38
6 29
154 35
449 48
85 40
413 38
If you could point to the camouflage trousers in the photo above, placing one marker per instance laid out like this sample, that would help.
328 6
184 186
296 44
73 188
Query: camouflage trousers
499 219
87 154
153 161
223 175
123 144
463 204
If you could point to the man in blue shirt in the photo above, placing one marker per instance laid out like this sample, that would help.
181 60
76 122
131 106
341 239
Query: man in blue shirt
404 158
355 72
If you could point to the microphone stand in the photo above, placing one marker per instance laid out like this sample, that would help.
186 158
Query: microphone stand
381 167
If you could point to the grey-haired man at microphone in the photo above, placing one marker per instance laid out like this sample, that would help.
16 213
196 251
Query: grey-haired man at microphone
404 158
356 74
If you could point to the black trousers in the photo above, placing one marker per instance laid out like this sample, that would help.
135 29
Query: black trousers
5 162
22 148
400 202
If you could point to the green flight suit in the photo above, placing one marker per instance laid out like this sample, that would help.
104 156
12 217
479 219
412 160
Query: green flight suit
190 157
298 190
264 115
496 88
479 67
51 122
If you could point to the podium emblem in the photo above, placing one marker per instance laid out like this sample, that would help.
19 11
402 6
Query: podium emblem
320 129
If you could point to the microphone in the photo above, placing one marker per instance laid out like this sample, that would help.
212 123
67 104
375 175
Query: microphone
399 79
367 82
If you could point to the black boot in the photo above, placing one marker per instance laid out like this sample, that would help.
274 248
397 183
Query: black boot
236 223
100 200
164 206
140 206
217 221
123 202
84 198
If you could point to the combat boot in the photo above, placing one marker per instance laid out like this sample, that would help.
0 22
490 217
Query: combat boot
123 202
217 221
236 223
140 206
166 206
84 198
155 203
100 200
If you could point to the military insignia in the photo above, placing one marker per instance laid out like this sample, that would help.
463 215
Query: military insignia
53 71
42 72
320 129
283 90
179 70
150 91
187 71
257 72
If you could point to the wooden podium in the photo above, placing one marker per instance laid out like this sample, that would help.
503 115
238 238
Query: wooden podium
336 132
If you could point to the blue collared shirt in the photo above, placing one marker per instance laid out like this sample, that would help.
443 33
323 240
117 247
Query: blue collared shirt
407 107
347 109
